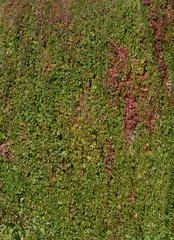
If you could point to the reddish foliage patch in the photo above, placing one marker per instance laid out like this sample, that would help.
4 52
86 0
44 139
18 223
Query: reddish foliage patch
131 117
133 198
109 158
159 20
121 80
4 152
134 86
147 2
119 64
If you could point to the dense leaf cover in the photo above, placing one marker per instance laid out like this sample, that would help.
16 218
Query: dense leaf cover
86 93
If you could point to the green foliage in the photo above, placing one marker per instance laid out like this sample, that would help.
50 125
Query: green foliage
69 167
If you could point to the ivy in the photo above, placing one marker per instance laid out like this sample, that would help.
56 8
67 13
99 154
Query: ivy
86 119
